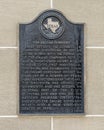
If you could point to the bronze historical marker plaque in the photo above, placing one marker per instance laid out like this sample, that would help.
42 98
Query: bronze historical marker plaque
51 65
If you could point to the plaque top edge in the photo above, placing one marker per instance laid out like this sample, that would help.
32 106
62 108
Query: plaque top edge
52 12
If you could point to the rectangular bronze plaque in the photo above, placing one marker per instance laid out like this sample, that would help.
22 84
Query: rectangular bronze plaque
51 65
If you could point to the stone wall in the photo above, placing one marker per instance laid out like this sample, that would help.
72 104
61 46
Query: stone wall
90 12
